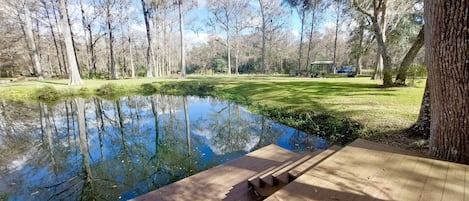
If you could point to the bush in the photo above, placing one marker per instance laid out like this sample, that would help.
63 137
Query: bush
335 130
148 89
188 88
107 90
48 94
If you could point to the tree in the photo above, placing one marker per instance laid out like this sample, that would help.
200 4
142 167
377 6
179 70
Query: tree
409 57
385 17
28 31
378 23
447 51
181 32
223 12
301 6
74 74
263 28
272 16
338 13
110 6
315 6
146 15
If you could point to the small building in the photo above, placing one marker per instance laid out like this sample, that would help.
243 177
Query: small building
321 68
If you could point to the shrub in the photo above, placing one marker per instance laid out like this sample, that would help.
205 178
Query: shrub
335 130
107 90
148 89
48 94
188 88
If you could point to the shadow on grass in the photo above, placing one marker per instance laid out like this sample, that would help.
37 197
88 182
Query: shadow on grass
306 93
52 82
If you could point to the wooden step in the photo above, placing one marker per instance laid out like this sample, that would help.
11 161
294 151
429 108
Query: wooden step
267 177
313 161
255 180
282 174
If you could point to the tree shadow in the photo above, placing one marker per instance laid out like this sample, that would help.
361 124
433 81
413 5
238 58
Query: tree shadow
52 82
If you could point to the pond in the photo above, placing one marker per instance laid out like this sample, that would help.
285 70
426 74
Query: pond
95 149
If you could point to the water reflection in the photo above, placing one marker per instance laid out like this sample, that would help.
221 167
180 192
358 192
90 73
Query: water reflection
109 150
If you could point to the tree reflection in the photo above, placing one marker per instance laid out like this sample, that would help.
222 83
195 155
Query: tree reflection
228 130
108 150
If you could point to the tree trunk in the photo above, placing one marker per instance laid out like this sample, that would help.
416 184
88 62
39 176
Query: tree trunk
228 45
300 51
28 30
310 45
334 65
87 38
74 74
188 125
263 67
422 126
387 64
61 41
378 73
54 38
181 32
112 60
409 58
358 64
447 53
131 57
146 16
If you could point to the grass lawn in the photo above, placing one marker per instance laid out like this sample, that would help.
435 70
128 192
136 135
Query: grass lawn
359 99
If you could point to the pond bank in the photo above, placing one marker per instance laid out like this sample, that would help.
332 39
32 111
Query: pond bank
292 101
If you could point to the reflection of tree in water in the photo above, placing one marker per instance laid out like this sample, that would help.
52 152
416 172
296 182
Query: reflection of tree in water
106 150
228 130
302 141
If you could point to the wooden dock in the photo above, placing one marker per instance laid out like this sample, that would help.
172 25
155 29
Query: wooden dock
370 171
224 182
362 170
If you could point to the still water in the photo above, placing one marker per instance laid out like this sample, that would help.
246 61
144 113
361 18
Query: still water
96 149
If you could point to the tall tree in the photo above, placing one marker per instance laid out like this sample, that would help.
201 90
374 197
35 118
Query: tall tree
74 74
48 6
28 31
181 35
337 19
301 7
263 28
378 22
315 6
409 58
447 52
146 16
109 10
385 17
222 14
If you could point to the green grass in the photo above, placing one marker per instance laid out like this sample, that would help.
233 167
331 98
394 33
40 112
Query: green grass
358 99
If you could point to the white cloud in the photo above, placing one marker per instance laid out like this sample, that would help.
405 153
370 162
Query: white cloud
201 3
139 28
295 33
195 39
329 25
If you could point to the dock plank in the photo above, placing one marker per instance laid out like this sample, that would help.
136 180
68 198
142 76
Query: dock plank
303 167
435 184
466 184
453 183
416 182
370 171
216 183
282 174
